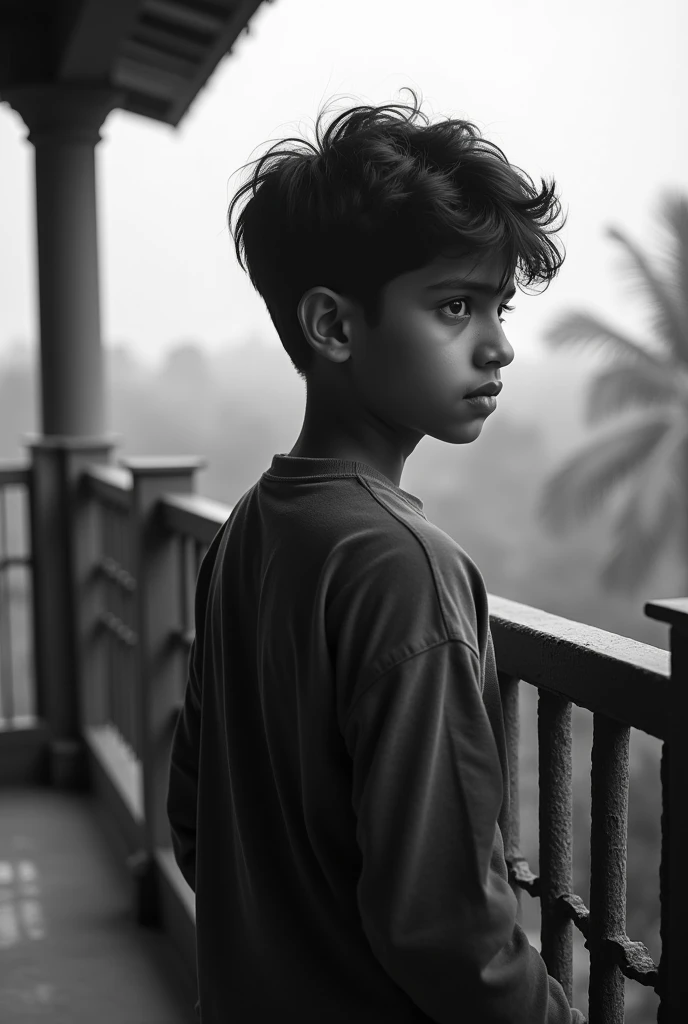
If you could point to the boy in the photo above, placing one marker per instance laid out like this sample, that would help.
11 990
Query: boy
338 787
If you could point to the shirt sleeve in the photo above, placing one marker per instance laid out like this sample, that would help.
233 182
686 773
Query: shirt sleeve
182 793
433 893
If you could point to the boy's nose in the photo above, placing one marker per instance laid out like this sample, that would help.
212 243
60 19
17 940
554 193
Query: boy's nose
495 351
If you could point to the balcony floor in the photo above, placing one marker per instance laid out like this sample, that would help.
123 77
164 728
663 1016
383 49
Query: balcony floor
70 949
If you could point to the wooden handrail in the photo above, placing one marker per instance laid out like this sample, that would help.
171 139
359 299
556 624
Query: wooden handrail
194 516
608 674
111 484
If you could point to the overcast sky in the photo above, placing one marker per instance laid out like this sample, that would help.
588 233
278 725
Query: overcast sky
592 92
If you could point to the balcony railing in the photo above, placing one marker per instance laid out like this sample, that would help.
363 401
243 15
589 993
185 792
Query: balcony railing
16 706
625 684
145 536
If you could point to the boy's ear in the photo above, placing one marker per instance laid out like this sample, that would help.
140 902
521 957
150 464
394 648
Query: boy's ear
326 319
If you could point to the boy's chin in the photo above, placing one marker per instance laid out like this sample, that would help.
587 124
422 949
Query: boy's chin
461 433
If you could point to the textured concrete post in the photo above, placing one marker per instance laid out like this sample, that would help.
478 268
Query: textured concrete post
157 571
673 976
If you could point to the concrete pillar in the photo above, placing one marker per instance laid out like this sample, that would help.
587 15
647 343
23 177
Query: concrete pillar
64 122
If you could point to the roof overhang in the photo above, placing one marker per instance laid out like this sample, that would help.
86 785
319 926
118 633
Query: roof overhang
156 54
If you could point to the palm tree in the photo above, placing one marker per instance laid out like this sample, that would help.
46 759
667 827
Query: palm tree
638 465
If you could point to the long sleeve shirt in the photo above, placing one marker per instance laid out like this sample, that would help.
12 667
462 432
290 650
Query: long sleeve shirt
338 790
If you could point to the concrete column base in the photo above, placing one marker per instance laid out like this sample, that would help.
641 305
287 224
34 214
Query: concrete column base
60 582
67 765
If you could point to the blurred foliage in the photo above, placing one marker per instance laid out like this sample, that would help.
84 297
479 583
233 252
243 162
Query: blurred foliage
639 464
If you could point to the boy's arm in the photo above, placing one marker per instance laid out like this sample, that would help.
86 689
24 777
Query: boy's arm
182 794
433 893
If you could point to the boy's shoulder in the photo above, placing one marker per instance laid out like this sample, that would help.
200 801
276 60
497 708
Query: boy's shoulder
401 574
398 538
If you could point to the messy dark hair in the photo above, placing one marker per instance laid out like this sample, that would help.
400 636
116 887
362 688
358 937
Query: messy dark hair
380 195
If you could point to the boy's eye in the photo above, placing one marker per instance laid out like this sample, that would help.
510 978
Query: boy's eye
456 302
464 302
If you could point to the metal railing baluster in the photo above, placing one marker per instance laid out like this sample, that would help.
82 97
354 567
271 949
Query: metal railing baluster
127 676
609 777
555 827
664 1011
183 552
7 708
121 684
510 692
112 679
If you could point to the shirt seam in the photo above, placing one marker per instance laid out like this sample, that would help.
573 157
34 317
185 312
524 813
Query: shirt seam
364 480
408 657
420 541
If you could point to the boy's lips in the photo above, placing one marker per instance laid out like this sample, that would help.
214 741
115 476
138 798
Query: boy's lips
492 387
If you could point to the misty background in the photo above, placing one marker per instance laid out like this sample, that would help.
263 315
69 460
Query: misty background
588 92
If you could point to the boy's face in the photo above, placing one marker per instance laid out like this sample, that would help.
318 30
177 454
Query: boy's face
381 393
435 343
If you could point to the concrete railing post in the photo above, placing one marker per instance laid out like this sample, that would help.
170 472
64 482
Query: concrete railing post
673 976
63 550
156 567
